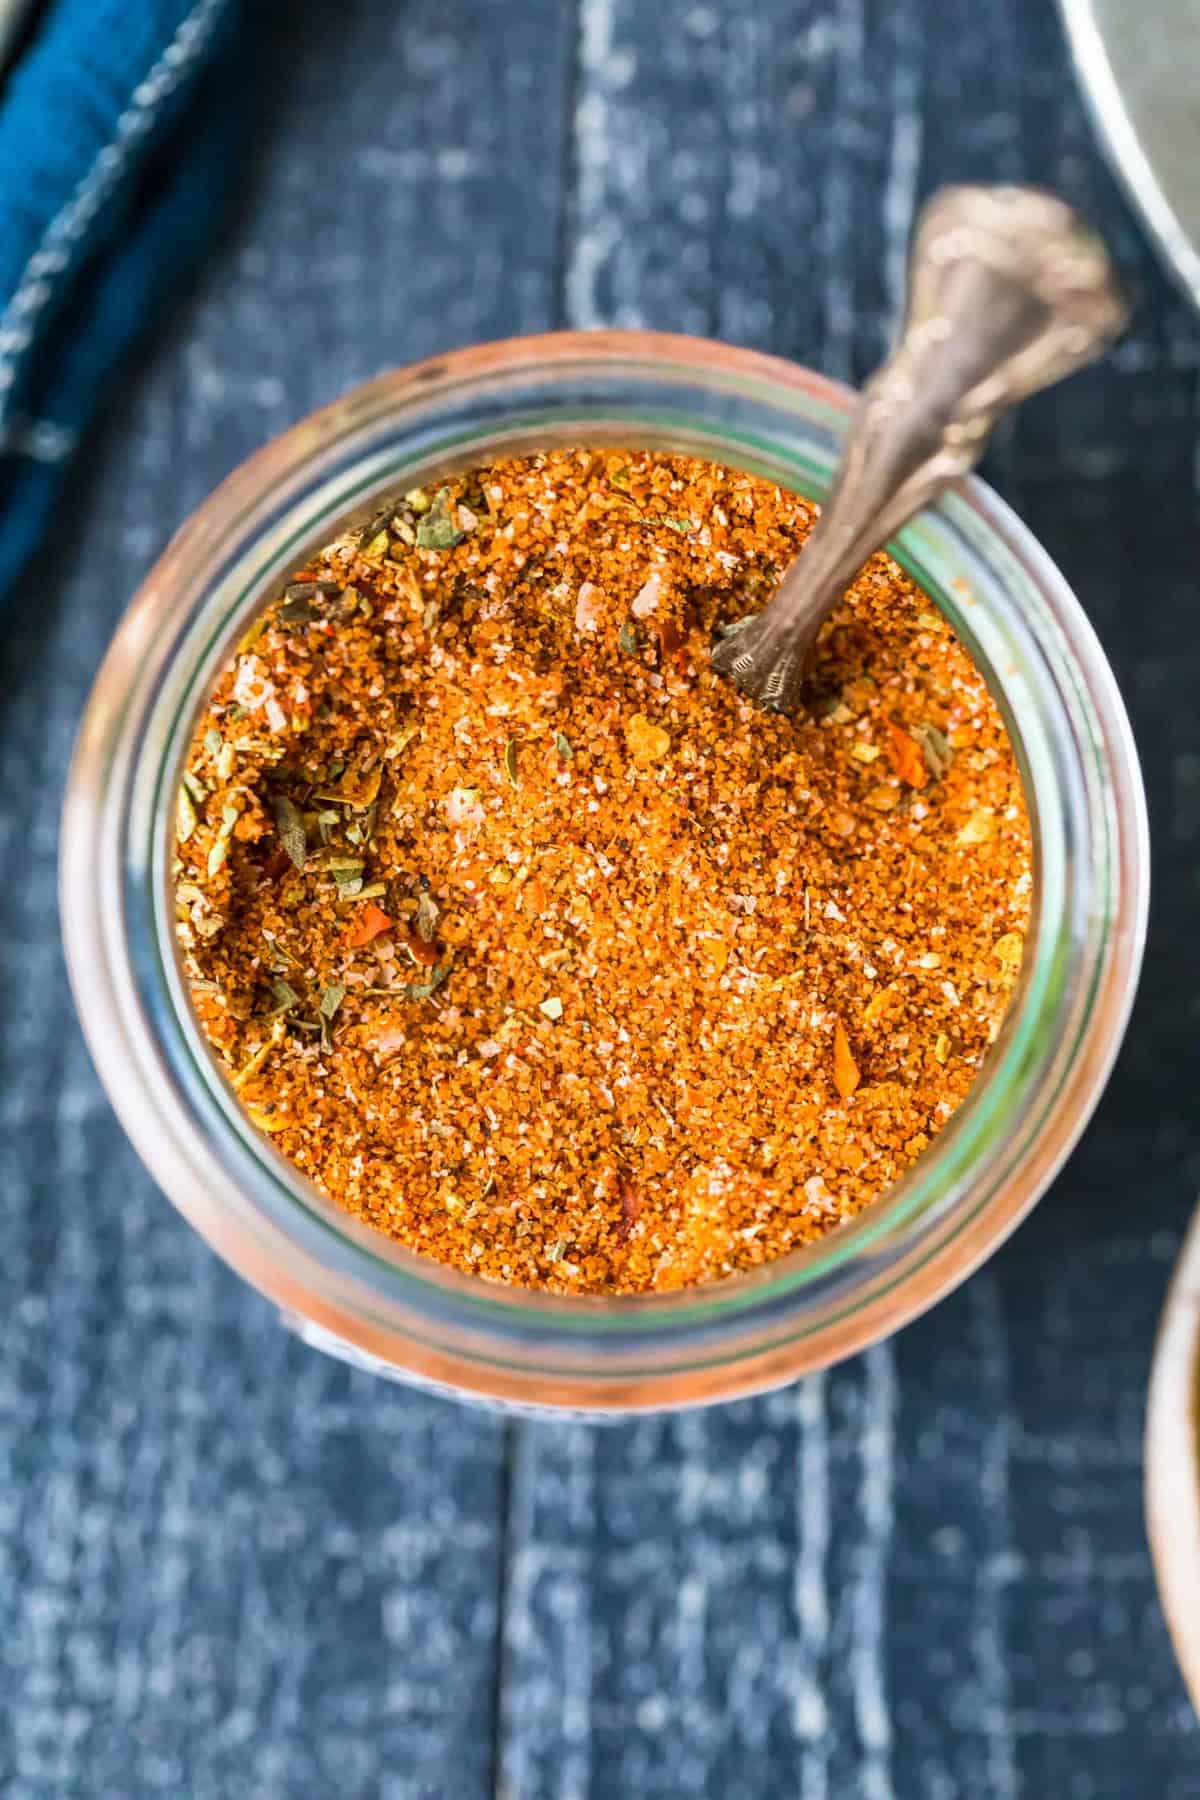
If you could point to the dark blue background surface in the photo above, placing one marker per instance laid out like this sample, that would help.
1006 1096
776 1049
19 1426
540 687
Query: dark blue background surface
229 1567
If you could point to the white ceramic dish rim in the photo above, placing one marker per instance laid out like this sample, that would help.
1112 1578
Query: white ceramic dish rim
1173 1460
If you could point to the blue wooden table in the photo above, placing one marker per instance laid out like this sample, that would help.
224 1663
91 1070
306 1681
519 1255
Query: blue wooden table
230 1568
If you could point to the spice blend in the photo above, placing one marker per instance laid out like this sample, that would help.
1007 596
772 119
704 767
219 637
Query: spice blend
536 945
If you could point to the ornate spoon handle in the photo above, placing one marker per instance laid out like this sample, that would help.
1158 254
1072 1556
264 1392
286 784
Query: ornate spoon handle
1008 292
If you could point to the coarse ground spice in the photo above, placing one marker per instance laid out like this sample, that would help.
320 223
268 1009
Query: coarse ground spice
538 947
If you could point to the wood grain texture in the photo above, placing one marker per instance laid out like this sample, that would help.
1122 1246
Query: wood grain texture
230 1567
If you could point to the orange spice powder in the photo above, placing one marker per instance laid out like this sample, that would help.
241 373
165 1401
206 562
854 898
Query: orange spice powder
534 944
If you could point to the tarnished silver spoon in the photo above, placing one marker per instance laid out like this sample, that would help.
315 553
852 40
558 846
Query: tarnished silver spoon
1008 292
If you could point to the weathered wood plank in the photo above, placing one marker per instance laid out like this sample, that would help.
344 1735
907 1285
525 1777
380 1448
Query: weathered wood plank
949 1542
227 1565
695 1605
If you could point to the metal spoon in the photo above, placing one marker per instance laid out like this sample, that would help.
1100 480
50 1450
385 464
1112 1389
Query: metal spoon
1008 292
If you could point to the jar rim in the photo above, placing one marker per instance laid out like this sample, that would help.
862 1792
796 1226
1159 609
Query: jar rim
415 1315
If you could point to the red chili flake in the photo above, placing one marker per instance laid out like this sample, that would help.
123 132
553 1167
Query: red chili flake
671 645
906 757
631 1203
425 954
277 864
846 1076
372 922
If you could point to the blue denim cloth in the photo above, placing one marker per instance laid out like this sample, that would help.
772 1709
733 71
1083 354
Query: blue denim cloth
121 128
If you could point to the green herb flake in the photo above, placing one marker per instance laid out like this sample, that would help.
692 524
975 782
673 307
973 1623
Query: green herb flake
349 881
417 500
627 638
251 635
186 819
510 763
421 990
428 913
298 598
553 1007
217 855
290 827
278 958
681 525
374 534
284 997
298 612
439 530
212 741
619 478
556 1252
331 999
226 762
194 786
563 745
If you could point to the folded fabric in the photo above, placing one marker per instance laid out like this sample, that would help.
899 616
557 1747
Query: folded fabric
121 129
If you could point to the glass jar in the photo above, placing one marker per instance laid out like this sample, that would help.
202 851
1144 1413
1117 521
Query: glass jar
355 1292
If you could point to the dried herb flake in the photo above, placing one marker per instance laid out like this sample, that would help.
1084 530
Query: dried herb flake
428 913
290 827
186 820
331 998
935 748
348 874
438 529
297 612
251 635
421 990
